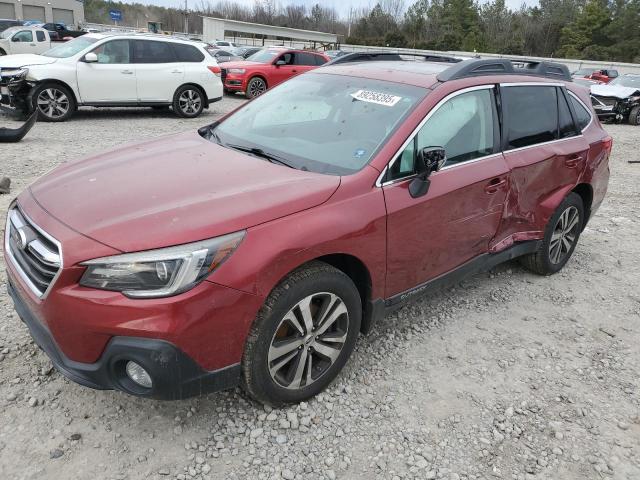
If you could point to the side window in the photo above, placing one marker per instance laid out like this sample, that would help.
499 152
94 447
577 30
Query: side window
465 126
305 59
583 117
113 52
319 60
531 115
23 36
187 53
151 51
288 58
40 36
566 127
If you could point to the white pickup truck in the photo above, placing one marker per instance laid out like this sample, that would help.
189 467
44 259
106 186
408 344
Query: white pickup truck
24 40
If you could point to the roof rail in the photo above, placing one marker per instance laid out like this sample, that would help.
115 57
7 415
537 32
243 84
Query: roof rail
502 66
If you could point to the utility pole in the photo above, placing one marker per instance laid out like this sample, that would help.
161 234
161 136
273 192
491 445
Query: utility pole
186 17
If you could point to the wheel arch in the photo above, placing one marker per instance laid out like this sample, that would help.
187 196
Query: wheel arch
585 191
199 87
60 83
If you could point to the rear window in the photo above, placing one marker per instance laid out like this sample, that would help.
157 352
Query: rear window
150 51
187 53
531 115
40 36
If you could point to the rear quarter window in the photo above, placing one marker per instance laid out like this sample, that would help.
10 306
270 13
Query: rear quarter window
187 53
583 116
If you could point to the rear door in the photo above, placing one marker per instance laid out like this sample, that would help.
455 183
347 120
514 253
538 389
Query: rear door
112 79
158 72
460 214
546 153
305 62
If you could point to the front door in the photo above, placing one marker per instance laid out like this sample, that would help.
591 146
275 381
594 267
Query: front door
455 221
280 73
23 42
112 79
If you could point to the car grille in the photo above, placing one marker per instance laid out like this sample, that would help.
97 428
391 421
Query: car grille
608 101
36 255
223 75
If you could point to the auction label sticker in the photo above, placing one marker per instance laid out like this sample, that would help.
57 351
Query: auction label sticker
376 97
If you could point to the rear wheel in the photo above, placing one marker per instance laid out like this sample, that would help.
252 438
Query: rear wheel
256 86
634 116
54 103
302 336
188 101
561 237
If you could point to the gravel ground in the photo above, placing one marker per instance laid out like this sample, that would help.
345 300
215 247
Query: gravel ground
507 375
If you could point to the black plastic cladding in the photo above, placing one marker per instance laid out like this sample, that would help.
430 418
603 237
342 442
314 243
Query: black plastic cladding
481 67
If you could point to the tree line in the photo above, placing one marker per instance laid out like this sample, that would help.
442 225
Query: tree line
607 30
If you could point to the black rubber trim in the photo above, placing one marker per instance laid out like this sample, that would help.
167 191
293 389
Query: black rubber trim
481 263
175 375
479 67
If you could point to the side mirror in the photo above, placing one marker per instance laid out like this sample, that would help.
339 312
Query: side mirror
15 38
90 58
429 160
280 62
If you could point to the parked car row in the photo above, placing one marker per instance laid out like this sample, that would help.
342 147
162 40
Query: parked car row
618 100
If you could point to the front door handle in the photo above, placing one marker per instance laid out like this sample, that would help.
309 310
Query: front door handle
176 71
494 185
127 72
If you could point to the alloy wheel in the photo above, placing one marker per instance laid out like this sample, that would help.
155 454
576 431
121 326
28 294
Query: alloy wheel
308 340
257 87
53 103
564 235
190 102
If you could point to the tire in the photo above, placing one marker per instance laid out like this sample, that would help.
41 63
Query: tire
634 116
276 377
188 101
561 237
2 52
55 103
255 87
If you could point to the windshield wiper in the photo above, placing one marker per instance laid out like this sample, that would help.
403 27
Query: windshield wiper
258 152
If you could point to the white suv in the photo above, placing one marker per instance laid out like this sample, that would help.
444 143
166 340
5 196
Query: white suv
107 70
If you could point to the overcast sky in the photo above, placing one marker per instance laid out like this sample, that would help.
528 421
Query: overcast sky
342 6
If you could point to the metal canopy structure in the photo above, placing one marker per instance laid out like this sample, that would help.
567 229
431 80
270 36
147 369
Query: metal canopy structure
214 29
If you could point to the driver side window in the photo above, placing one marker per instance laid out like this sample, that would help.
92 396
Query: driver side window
288 58
23 36
464 126
113 52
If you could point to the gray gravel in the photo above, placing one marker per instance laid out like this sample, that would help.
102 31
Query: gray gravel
507 375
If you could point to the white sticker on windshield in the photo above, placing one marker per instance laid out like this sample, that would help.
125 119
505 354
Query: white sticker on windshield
376 97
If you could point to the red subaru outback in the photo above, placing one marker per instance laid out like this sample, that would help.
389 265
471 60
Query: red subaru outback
256 250
267 68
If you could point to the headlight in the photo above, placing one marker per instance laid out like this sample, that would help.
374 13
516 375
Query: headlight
236 70
162 272
14 73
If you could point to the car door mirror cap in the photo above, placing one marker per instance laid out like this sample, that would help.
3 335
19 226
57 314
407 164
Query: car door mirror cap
90 58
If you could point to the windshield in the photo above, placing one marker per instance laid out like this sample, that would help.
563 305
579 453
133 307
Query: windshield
627 81
329 124
263 56
70 48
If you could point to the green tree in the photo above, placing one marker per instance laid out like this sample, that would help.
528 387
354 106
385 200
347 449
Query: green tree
587 35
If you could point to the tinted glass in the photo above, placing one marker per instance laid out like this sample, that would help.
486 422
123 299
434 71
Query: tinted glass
320 60
149 51
187 53
288 58
329 124
40 36
583 117
23 36
305 59
566 127
531 115
113 52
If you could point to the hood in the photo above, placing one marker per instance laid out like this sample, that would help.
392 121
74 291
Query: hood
617 91
176 190
243 64
24 60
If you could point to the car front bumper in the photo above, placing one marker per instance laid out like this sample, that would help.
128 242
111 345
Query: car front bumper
174 374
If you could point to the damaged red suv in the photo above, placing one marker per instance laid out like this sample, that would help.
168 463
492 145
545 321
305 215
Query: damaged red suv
256 250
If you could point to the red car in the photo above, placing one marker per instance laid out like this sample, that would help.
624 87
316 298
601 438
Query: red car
604 76
298 221
267 68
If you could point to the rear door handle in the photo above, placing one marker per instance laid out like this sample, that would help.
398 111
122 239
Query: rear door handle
127 72
572 161
176 71
494 185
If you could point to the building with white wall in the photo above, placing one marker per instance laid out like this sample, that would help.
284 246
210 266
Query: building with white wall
69 12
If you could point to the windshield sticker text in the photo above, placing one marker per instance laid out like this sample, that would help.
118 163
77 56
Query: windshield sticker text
376 97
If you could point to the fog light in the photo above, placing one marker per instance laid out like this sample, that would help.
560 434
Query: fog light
138 374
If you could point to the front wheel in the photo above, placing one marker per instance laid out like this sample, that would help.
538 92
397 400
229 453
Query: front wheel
634 115
188 101
54 103
302 336
256 86
560 239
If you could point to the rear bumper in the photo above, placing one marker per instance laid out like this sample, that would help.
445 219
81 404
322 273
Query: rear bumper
175 375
